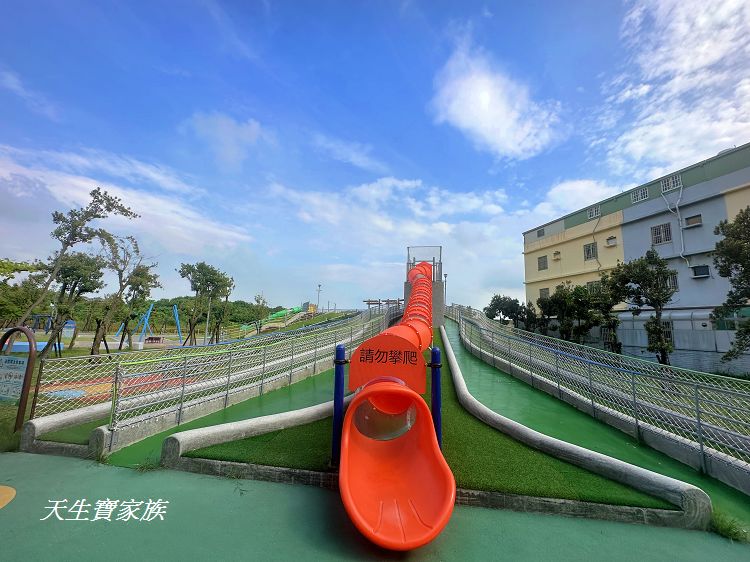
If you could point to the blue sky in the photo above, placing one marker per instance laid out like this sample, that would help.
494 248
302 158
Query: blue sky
298 143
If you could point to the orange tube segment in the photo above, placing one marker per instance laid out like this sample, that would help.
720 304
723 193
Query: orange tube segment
395 484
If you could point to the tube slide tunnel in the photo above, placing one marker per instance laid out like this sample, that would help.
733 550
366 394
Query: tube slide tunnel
395 484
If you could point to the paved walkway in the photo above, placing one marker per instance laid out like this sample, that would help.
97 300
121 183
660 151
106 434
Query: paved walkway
518 401
212 518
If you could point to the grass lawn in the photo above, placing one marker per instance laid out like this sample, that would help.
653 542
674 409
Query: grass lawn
480 457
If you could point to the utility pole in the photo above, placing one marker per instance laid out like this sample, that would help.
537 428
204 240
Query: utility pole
208 317
317 306
445 290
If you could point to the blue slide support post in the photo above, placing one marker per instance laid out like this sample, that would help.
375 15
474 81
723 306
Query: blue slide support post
437 399
177 321
145 321
338 403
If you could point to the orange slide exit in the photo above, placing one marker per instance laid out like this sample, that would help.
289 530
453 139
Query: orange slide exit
394 481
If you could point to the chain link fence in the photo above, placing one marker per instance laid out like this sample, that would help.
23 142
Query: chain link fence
143 384
709 413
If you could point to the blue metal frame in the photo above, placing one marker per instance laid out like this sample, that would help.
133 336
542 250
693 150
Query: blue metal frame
436 394
338 403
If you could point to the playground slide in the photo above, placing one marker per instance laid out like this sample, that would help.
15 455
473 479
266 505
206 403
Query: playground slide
395 484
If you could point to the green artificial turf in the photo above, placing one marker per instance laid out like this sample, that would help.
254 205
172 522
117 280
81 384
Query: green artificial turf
480 457
78 434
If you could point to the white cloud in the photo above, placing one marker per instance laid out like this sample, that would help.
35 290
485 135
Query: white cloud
115 165
229 140
352 153
167 223
571 195
35 101
493 109
232 40
686 95
373 223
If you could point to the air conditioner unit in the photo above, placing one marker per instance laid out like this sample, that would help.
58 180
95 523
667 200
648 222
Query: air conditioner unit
555 256
612 241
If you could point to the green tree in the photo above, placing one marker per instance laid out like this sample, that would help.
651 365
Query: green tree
645 283
73 228
9 268
505 307
141 281
603 299
732 260
77 274
564 309
206 282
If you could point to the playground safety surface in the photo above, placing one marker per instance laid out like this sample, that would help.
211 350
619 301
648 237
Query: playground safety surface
222 519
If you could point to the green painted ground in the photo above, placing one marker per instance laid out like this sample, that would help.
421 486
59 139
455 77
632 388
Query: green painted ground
480 457
212 518
536 409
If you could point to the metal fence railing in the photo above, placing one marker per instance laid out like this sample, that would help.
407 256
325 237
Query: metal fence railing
149 383
707 412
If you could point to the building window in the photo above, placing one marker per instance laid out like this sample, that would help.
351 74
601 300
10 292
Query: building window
640 194
672 281
670 183
594 286
594 212
540 233
667 330
589 251
661 234
543 293
541 263
695 220
700 271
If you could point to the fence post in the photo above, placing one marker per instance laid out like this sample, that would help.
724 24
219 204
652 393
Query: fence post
492 346
229 375
182 393
557 374
591 393
115 398
481 350
263 370
338 403
36 390
510 363
315 355
436 395
531 371
635 408
700 428
291 366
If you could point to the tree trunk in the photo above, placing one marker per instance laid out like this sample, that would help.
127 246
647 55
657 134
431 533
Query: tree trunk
53 335
73 339
98 336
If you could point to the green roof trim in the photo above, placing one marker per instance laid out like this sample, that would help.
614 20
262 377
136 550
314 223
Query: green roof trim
720 165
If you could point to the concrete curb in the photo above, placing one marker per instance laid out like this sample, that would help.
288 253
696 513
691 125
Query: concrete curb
176 445
34 430
694 503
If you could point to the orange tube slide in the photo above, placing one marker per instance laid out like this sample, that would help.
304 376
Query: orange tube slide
398 491
395 483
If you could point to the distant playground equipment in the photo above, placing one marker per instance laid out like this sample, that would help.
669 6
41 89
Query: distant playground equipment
395 483
143 325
